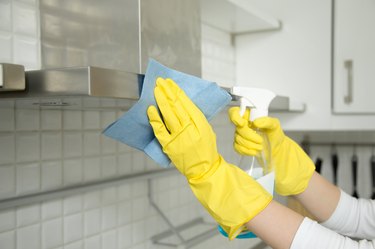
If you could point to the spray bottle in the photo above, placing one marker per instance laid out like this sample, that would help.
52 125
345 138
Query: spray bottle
260 166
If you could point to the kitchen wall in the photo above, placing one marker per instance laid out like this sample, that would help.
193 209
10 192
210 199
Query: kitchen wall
43 150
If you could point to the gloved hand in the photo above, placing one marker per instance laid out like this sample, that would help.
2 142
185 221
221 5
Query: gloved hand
293 167
230 195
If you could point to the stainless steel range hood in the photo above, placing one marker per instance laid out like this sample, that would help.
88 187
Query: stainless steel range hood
80 39
56 88
63 87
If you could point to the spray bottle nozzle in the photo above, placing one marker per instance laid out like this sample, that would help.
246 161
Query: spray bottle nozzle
256 99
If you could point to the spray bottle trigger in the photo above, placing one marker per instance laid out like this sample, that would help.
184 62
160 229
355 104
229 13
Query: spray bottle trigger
244 103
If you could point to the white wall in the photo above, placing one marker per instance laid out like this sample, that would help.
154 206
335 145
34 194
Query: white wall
296 62
47 149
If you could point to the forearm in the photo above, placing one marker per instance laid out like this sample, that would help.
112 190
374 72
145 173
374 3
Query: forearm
276 225
282 228
320 197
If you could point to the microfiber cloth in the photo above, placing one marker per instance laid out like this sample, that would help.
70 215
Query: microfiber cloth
134 129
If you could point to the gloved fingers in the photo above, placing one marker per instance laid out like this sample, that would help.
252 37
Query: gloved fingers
247 143
158 125
249 134
244 150
236 118
173 93
171 120
267 123
194 113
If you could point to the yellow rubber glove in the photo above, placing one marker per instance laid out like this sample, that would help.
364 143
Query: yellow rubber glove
230 195
293 167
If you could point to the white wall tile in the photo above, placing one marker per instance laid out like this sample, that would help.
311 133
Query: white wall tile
91 168
52 233
26 52
72 120
5 15
73 226
124 192
52 175
51 145
124 212
139 188
28 215
153 226
107 117
139 207
27 146
8 240
51 119
7 148
91 143
108 145
28 178
109 217
138 232
72 171
72 204
51 209
109 239
93 242
7 114
150 164
92 222
91 200
125 163
138 162
6 44
27 119
7 181
109 166
124 148
72 144
174 197
141 246
125 236
30 2
28 237
74 245
91 120
109 196
24 19
7 220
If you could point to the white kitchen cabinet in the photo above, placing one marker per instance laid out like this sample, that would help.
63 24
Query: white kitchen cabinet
296 62
354 56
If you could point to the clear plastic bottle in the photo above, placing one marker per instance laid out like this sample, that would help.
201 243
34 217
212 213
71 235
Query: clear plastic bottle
259 166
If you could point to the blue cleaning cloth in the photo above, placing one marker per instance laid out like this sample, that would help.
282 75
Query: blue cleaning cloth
134 129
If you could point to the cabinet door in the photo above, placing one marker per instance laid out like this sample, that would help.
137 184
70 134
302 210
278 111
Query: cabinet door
354 56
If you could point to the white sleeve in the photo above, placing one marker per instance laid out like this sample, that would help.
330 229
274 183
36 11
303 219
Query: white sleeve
353 217
311 235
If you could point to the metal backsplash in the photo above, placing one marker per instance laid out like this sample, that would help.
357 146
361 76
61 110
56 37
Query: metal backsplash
121 34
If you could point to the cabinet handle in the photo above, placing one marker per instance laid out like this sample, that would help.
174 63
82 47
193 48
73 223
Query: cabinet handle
349 66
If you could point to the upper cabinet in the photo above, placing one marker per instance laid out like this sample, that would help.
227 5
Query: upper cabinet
297 61
354 56
236 17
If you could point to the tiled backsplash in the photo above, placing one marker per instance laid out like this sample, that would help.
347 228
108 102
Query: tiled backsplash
19 33
43 150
